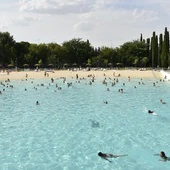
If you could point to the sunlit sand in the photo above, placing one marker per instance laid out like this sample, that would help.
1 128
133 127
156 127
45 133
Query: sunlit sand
14 75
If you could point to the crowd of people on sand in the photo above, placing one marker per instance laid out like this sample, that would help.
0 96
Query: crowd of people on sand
91 78
5 71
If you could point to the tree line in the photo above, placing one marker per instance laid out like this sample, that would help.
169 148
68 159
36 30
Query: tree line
151 52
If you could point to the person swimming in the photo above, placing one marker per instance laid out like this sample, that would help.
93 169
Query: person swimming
163 156
108 155
150 111
94 124
37 103
105 102
162 101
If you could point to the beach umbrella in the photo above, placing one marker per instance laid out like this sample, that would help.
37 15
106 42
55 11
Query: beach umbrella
119 64
74 64
10 65
50 65
65 65
26 65
36 65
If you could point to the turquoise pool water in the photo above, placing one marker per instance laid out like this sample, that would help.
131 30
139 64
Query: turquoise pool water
71 125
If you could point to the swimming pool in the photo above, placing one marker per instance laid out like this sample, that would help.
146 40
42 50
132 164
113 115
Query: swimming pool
71 125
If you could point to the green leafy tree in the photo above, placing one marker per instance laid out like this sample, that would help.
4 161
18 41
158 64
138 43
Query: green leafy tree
40 62
136 61
107 54
42 54
145 61
78 51
33 57
106 62
129 51
89 62
22 49
57 54
7 50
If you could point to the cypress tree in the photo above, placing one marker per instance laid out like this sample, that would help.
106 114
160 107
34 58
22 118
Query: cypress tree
163 57
168 57
148 53
156 50
141 38
167 41
153 49
165 49
160 50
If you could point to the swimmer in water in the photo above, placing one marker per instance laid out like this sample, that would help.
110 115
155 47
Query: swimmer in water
150 111
105 102
163 156
108 155
37 103
162 101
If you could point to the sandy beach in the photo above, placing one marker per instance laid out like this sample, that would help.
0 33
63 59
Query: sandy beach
14 75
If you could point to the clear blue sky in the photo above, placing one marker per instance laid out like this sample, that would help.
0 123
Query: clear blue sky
103 22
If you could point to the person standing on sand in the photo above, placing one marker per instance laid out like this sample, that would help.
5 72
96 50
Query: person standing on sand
77 76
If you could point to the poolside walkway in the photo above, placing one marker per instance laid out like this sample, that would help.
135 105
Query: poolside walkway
165 75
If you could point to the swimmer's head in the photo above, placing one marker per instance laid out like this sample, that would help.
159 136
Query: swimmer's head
162 154
100 154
